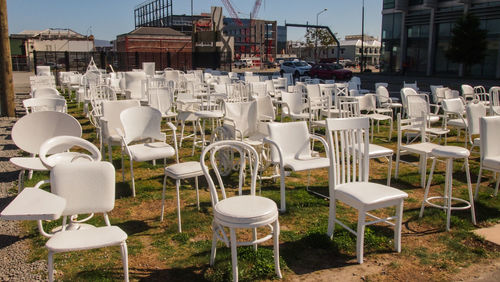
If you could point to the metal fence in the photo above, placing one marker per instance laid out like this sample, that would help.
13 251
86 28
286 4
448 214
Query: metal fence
125 61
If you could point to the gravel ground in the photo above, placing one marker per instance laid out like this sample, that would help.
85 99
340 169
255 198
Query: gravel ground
14 246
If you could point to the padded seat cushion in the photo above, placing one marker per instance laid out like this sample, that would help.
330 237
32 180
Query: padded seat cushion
306 164
358 194
376 151
458 122
245 209
209 114
86 239
151 151
418 148
184 170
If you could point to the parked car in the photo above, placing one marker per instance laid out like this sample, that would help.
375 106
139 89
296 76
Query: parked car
297 68
269 64
347 63
240 64
330 71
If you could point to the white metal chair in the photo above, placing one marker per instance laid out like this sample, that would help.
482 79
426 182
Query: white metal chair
32 130
384 101
348 181
291 148
139 125
87 187
242 211
490 151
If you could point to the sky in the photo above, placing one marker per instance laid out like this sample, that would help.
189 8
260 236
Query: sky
106 19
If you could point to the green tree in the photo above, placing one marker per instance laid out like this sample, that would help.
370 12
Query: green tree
323 36
468 43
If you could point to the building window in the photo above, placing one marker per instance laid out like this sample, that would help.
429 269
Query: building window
389 4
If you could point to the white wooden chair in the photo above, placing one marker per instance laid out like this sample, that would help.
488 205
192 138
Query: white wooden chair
490 151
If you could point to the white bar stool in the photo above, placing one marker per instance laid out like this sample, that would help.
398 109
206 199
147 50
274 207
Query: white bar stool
449 153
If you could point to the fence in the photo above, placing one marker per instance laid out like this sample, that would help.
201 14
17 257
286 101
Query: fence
126 61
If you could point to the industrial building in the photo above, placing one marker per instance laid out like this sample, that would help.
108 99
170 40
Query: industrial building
416 35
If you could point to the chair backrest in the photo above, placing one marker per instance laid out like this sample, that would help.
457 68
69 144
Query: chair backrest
141 123
341 89
313 92
382 95
45 92
32 130
412 124
252 78
367 103
292 138
265 109
289 78
490 134
294 101
404 93
43 71
44 104
149 68
111 111
455 105
433 92
494 96
224 79
451 94
171 75
475 111
162 99
258 89
377 84
134 84
467 91
67 157
347 138
225 147
349 107
88 187
410 85
244 115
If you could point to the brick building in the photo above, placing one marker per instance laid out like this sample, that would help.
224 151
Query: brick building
154 39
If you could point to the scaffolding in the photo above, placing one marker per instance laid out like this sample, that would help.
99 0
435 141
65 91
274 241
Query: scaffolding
156 13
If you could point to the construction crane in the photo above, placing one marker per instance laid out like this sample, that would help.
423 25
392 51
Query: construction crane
255 10
232 11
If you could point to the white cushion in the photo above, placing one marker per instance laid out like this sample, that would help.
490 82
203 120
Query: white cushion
450 152
306 164
151 151
457 122
358 194
419 148
245 209
492 162
74 240
184 170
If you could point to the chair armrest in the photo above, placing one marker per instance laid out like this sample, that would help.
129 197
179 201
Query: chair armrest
322 140
266 140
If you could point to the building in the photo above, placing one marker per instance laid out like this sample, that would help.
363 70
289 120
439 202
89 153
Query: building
350 49
416 35
25 44
153 39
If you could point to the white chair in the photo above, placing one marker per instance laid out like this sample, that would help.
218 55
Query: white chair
139 125
134 85
32 130
494 100
87 187
490 151
475 111
434 96
33 105
422 148
348 181
43 71
162 99
294 106
242 211
384 101
110 121
411 85
178 172
467 91
291 148
47 92
454 115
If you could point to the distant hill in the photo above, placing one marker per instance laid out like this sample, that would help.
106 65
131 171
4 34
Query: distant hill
102 43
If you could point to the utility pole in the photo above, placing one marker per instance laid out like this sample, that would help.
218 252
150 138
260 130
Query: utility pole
6 84
362 37
316 37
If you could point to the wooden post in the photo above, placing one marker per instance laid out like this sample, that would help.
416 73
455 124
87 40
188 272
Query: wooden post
6 84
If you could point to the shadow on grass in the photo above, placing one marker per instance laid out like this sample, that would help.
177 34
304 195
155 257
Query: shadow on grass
132 227
173 274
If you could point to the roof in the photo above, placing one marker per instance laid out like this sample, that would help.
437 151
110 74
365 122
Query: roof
147 30
52 33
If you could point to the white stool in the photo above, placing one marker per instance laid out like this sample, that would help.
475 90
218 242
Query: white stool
449 153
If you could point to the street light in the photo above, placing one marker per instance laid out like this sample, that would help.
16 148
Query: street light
316 37
362 37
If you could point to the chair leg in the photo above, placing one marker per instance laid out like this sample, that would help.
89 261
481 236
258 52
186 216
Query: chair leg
397 227
177 186
360 237
496 186
448 187
389 170
197 192
20 184
469 189
132 177
479 181
331 217
234 255
214 245
426 193
123 167
396 171
163 197
50 266
254 237
276 247
282 189
124 253
182 134
110 156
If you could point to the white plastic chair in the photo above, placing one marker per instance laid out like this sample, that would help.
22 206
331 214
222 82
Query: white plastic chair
88 187
291 149
33 105
384 101
32 130
242 211
134 85
294 106
467 91
490 151
139 125
348 178
110 121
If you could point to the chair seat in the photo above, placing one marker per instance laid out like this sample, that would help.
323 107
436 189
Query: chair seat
432 118
457 122
359 194
383 110
379 117
209 114
419 148
299 116
394 105
376 151
168 115
492 162
151 151
306 164
36 163
255 139
454 152
245 210
184 170
85 239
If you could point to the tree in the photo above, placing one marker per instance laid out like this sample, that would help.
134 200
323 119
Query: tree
468 43
324 38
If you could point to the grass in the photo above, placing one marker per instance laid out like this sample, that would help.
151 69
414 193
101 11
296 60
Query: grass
158 252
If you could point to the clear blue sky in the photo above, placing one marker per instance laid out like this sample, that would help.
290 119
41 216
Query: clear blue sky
108 18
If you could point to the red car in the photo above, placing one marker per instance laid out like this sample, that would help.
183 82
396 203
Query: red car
330 71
